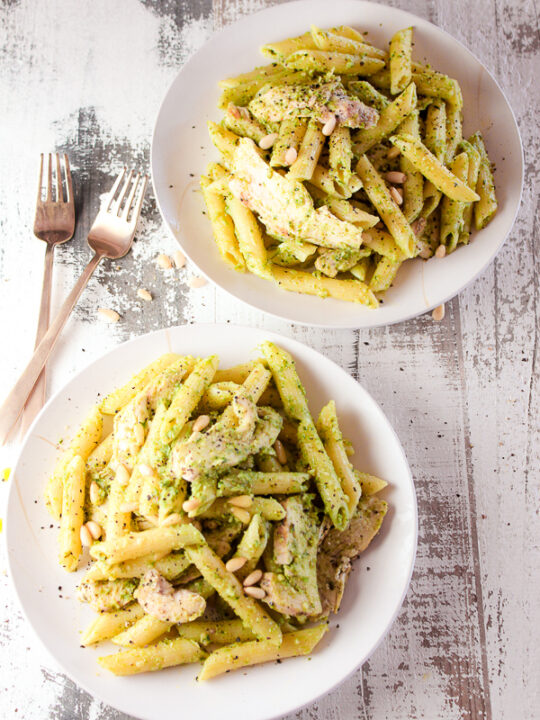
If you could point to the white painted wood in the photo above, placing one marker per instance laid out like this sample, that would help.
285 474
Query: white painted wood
87 76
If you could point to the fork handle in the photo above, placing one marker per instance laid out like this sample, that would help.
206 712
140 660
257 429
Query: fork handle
36 399
14 403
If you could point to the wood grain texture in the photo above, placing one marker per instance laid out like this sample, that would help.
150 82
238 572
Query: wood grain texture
462 395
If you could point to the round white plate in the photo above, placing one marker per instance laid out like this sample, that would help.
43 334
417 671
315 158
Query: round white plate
181 150
372 599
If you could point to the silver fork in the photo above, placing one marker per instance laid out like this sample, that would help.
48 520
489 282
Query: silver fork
111 236
54 223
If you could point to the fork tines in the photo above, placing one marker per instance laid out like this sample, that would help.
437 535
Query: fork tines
125 201
57 179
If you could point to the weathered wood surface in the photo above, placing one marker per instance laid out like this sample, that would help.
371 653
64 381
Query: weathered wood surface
87 76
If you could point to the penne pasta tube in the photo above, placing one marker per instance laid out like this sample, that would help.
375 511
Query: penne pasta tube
220 632
143 632
334 41
186 399
106 625
432 169
308 153
305 282
387 208
413 186
384 274
229 588
486 207
85 441
116 400
328 429
389 119
239 655
73 494
291 133
166 653
401 60
222 227
250 482
311 448
249 236
137 544
340 63
452 220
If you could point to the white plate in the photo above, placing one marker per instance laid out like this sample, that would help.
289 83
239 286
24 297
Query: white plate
372 598
181 149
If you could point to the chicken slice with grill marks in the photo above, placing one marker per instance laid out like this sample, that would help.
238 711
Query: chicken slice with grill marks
338 549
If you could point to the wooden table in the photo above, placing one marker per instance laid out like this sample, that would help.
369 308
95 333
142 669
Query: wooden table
87 77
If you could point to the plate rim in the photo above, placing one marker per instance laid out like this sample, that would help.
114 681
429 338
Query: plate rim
14 492
185 69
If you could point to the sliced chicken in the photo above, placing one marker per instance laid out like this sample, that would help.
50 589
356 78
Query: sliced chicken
107 595
338 549
293 589
284 205
159 599
321 101
225 445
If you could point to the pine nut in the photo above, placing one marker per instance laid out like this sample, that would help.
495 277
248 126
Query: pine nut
241 501
290 156
95 529
197 282
164 261
179 259
191 504
146 470
235 564
144 295
139 434
280 452
440 252
393 152
108 315
129 507
438 313
253 578
200 423
122 474
255 592
397 197
95 492
396 177
329 126
86 537
266 142
173 519
418 226
241 515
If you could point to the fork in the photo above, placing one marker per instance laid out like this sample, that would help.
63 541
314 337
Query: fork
54 223
111 236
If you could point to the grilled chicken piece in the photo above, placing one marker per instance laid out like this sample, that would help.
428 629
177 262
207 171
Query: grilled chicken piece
159 599
338 549
321 101
225 446
293 589
107 595
284 205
